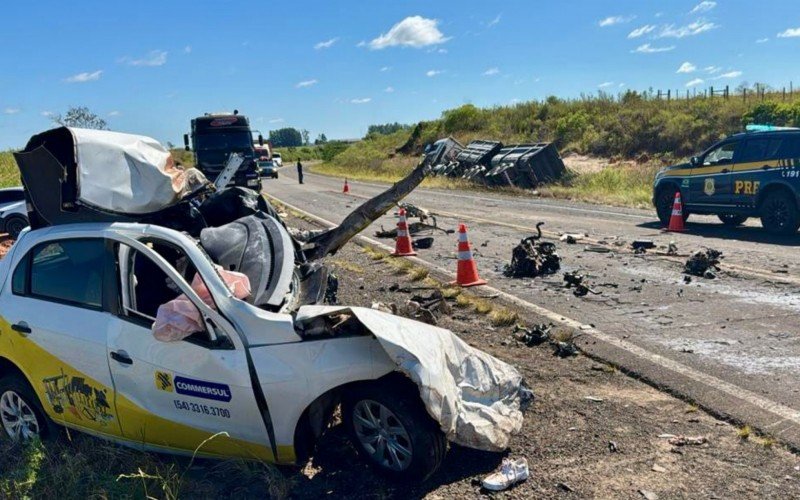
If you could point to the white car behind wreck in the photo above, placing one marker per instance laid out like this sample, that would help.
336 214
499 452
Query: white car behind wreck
87 294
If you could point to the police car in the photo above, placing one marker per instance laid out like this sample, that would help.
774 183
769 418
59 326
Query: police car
752 174
214 341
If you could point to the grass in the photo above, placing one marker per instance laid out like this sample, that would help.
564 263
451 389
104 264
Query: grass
80 466
9 174
349 266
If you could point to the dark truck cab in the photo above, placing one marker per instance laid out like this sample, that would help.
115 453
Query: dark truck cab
215 137
751 174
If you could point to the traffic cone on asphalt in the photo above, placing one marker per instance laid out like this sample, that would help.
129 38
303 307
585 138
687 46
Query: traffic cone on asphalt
676 220
402 245
467 271
346 186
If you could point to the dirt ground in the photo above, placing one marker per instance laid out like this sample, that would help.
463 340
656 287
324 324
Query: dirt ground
592 432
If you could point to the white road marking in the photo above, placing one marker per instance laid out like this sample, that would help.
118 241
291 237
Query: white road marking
784 412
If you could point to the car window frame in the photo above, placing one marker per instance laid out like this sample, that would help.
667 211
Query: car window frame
27 260
118 310
765 157
736 151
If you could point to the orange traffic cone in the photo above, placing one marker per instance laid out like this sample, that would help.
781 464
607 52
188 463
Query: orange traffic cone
346 186
676 220
467 272
402 246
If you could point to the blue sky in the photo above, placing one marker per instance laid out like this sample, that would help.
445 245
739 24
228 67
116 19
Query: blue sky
337 67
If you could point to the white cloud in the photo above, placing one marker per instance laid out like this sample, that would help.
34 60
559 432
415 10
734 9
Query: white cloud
307 83
612 20
648 49
712 69
495 21
789 33
762 40
641 31
621 85
386 68
442 51
363 100
695 82
491 72
114 113
687 67
326 44
389 89
433 72
187 49
692 29
413 31
729 74
605 85
276 120
11 111
704 6
47 114
84 77
153 58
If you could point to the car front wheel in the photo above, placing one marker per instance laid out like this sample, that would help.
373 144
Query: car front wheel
391 429
21 416
779 213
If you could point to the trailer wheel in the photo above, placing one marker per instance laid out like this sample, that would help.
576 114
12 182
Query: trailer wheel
389 427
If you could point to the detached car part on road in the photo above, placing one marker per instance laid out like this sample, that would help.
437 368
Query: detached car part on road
752 174
80 293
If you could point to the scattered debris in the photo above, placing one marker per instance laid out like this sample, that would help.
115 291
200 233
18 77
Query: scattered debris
687 440
612 447
593 399
422 243
704 263
332 290
565 487
572 238
596 249
642 245
536 335
648 495
672 248
562 340
531 258
575 280
658 468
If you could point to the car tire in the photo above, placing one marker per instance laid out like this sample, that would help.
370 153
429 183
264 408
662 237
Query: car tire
664 201
15 224
18 402
732 220
779 213
390 417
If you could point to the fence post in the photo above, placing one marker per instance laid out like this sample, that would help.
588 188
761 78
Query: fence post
727 91
669 92
744 94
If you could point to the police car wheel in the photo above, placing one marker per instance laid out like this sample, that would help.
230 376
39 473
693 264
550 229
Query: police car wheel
21 416
389 427
779 214
732 220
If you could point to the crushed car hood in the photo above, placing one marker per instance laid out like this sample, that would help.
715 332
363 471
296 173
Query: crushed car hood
477 399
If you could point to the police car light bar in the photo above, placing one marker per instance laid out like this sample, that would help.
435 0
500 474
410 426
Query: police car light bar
766 128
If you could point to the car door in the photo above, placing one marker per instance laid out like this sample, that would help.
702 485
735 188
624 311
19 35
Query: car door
710 183
176 395
757 164
56 306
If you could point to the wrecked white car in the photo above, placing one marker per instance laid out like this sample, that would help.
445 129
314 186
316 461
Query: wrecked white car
160 337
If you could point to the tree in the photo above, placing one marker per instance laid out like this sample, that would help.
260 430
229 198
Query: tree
321 139
306 136
80 117
286 137
386 129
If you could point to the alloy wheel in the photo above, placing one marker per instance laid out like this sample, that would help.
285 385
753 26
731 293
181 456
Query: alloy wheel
18 417
382 435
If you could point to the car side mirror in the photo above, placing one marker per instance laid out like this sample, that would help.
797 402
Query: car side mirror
695 161
260 140
186 142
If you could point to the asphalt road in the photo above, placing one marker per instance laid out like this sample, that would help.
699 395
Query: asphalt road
740 328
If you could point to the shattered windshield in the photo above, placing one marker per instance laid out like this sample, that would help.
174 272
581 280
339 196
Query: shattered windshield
224 141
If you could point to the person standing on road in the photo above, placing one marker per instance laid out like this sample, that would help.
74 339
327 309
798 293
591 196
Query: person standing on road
299 171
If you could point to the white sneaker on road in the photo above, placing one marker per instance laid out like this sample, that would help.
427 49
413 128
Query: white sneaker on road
511 472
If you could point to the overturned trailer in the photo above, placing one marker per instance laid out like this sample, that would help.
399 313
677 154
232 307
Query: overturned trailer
493 164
